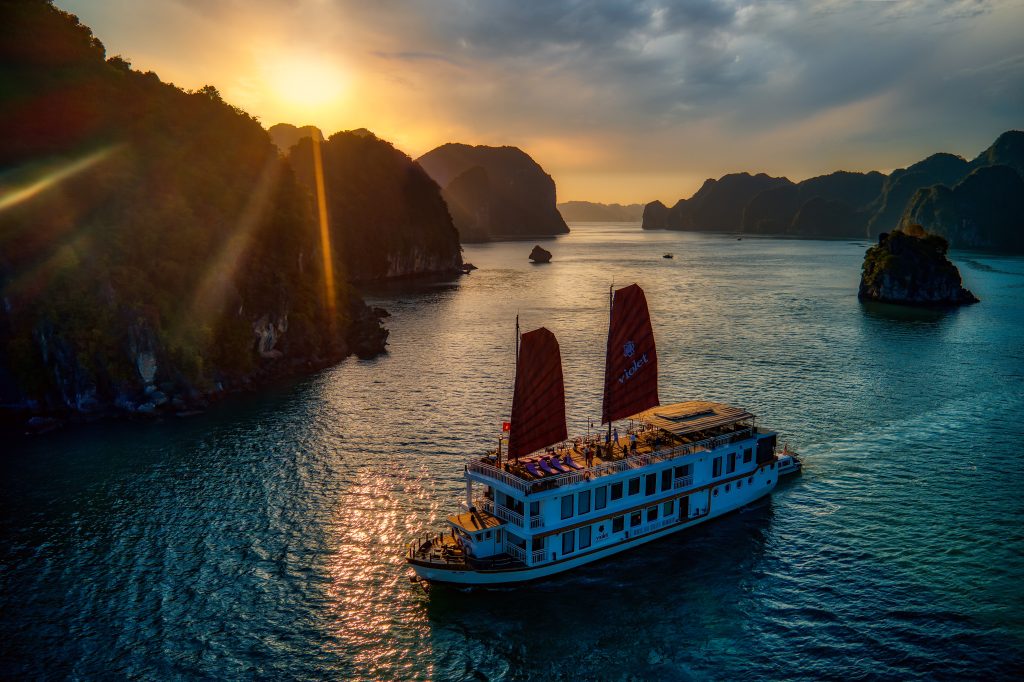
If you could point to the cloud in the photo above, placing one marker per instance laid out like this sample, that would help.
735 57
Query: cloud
678 87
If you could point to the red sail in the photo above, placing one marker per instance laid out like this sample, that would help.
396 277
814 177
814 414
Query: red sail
631 364
538 407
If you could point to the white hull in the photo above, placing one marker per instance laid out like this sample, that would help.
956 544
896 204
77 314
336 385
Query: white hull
719 506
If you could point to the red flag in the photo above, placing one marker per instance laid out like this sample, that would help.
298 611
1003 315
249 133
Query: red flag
506 426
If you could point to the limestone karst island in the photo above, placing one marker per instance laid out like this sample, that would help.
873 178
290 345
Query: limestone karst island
509 341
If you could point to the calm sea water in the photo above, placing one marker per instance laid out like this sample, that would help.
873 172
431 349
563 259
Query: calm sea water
264 539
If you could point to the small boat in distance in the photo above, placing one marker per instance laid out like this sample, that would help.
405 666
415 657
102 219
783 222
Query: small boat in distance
789 462
668 255
550 504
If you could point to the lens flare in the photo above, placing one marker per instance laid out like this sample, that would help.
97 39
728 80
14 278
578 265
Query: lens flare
18 194
325 235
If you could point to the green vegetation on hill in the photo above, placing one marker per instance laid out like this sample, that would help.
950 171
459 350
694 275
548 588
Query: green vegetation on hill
166 244
910 267
387 217
985 209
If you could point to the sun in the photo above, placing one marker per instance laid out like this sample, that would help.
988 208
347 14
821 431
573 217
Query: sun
306 85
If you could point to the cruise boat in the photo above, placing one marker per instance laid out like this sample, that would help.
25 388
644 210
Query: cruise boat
549 504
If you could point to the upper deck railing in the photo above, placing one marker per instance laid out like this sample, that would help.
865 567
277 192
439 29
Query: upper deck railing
605 468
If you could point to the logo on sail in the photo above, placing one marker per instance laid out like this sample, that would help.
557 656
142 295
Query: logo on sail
628 349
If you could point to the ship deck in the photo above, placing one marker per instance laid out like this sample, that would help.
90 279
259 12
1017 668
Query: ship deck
663 432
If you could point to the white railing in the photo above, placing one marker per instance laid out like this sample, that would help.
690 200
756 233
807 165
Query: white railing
634 462
536 522
494 472
508 515
650 527
515 551
538 557
683 482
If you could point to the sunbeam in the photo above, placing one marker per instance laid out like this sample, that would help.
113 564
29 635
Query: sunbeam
211 292
10 197
325 235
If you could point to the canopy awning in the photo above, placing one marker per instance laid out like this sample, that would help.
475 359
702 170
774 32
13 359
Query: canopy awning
692 416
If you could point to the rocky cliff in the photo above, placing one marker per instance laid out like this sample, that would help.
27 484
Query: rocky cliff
902 183
910 267
832 205
506 194
984 210
386 215
716 207
165 254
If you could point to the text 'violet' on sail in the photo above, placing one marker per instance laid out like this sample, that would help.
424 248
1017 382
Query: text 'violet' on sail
631 363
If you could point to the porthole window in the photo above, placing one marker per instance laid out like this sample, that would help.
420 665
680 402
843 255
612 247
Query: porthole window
716 492
750 480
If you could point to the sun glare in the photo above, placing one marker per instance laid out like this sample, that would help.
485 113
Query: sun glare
306 85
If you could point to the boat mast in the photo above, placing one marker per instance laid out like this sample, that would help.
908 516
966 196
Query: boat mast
611 300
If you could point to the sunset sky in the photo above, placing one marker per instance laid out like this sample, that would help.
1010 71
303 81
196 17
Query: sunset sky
620 101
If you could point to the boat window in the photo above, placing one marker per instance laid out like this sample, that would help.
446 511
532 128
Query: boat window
650 484
535 509
634 486
537 544
567 506
668 508
568 542
634 519
584 537
750 481
487 535
739 483
583 506
731 465
666 480
726 487
497 536
716 492
618 523
748 454
652 514
601 497
616 491
716 467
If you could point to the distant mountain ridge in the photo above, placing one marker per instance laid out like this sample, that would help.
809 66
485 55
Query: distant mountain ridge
589 211
494 192
286 136
982 213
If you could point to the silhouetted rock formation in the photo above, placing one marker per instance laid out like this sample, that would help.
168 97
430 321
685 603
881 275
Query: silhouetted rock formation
588 211
910 267
900 186
387 218
655 216
178 259
985 209
717 206
510 196
983 213
286 136
837 200
1007 150
540 255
